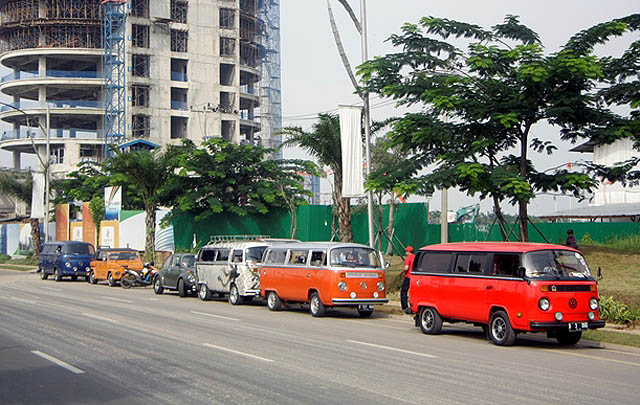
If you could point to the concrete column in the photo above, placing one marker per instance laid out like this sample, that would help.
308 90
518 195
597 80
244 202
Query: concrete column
16 160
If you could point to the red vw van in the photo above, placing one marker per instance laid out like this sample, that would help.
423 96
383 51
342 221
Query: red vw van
324 274
507 288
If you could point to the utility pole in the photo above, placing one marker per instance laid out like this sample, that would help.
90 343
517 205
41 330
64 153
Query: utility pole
47 177
367 119
444 220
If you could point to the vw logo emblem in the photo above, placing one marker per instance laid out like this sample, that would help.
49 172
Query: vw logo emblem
573 303
363 285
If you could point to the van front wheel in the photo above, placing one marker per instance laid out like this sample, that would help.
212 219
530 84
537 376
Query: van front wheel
274 303
430 321
500 330
568 338
43 274
234 296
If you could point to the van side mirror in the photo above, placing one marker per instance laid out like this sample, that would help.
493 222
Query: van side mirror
386 265
599 273
521 272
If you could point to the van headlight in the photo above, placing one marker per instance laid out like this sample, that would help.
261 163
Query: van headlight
544 304
67 265
593 304
342 286
380 286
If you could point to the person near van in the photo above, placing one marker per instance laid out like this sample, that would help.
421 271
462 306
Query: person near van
404 291
571 240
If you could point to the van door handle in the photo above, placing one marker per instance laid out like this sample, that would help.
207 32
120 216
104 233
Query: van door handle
309 275
489 287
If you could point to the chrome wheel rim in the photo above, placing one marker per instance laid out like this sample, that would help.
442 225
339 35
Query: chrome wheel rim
156 285
314 304
203 291
499 328
233 294
427 319
271 300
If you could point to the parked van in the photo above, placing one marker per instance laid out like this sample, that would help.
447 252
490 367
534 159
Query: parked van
507 288
231 267
109 264
66 259
324 274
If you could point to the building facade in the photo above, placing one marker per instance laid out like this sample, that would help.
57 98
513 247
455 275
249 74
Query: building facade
193 71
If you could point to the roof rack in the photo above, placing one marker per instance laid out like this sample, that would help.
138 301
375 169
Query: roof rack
232 238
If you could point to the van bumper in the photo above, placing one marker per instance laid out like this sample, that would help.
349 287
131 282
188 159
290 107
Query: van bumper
359 301
564 325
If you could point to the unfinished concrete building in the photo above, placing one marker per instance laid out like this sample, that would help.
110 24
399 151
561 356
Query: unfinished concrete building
193 70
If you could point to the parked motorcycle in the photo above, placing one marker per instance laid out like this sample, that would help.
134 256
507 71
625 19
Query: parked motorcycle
138 278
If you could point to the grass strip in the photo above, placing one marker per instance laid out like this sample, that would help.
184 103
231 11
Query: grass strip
619 338
18 268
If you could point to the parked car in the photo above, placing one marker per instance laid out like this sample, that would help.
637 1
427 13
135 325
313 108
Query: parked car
177 273
109 264
507 288
231 268
65 259
325 275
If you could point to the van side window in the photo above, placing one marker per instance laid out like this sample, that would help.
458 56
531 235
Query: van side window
298 257
470 263
277 256
505 264
318 258
223 255
102 256
207 255
433 262
237 256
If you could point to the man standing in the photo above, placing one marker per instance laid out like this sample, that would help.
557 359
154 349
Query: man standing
408 264
571 240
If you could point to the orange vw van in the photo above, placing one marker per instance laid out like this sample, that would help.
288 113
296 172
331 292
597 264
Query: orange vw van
323 274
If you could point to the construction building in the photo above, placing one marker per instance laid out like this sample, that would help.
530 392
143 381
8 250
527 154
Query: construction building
192 69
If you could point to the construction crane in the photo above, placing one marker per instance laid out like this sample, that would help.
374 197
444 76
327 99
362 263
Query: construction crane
467 215
115 90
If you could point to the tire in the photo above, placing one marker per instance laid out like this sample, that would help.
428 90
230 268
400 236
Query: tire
126 281
204 292
234 296
274 303
182 292
157 286
111 281
57 275
92 278
430 321
43 274
365 313
74 278
568 338
316 307
500 330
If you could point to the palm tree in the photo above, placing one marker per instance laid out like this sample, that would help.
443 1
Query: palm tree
323 143
20 187
148 171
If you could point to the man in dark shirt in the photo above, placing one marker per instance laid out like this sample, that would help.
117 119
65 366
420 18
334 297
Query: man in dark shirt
571 240
404 291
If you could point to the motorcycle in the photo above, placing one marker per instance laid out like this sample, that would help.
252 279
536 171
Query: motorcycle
138 278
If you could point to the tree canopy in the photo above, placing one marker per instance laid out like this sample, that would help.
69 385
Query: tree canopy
480 106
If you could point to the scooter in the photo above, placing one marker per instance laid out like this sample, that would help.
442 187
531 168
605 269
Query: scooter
135 278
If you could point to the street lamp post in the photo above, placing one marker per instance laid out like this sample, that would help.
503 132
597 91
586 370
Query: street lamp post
367 120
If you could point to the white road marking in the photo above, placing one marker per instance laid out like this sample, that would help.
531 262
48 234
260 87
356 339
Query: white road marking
154 299
237 352
51 289
19 299
392 349
100 318
116 299
215 316
59 362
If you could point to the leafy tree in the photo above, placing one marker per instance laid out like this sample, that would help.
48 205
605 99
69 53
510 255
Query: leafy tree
148 172
97 210
225 177
20 187
480 106
323 143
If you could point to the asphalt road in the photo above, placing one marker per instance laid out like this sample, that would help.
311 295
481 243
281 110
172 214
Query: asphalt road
71 342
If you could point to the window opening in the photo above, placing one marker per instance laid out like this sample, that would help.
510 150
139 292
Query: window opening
179 11
227 47
227 18
179 40
140 96
140 65
140 36
140 126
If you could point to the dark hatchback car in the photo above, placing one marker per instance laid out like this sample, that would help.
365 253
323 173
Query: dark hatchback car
66 259
177 273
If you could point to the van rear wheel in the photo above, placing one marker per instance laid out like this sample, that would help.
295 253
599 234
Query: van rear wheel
430 321
111 281
568 338
43 274
204 292
500 330
274 303
316 307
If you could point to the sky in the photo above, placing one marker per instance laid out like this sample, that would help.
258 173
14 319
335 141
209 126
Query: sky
314 79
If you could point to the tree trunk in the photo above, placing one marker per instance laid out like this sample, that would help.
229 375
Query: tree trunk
392 205
294 222
35 237
380 231
150 224
500 218
343 206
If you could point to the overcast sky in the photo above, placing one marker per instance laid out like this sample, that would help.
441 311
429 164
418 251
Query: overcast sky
314 80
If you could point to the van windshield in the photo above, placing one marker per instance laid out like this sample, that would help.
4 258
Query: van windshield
355 257
78 249
556 264
124 256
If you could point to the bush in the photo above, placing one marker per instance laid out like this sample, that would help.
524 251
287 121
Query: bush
587 241
617 312
4 258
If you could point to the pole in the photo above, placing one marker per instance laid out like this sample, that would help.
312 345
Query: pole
444 220
367 119
47 179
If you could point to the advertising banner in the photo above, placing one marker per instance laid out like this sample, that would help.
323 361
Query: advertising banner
351 145
112 203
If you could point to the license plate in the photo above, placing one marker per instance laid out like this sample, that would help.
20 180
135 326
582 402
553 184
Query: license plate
365 307
577 326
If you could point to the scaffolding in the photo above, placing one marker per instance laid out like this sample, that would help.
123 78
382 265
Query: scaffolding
179 40
179 10
270 86
114 74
